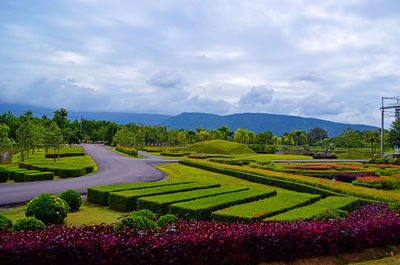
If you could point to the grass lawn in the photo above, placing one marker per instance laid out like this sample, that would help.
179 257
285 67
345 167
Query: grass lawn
219 147
354 155
88 214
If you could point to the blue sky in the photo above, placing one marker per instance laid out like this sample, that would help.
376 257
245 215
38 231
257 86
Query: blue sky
331 59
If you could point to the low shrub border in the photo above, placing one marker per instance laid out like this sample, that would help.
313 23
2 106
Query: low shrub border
160 203
99 194
31 175
49 155
257 210
200 242
201 209
126 200
63 172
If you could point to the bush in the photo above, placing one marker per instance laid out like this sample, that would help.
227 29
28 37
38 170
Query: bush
32 175
137 222
332 214
127 150
73 199
48 208
28 224
5 223
166 219
4 174
395 206
145 213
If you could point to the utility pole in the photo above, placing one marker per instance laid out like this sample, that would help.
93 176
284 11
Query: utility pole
395 114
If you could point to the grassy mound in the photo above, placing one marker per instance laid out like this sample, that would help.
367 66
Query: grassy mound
219 147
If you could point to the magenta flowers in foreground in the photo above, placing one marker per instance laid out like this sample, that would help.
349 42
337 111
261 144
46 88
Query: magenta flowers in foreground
197 242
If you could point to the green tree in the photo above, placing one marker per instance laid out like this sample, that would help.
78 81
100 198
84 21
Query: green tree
394 134
316 134
25 137
371 138
181 137
54 138
5 142
242 136
298 137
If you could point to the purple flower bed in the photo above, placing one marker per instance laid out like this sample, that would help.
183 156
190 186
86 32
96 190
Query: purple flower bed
197 242
316 156
351 176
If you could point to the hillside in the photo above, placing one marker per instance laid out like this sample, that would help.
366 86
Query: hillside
258 122
219 147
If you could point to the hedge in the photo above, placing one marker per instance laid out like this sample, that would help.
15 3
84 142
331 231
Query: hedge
202 208
160 203
250 212
63 172
99 194
296 182
49 155
174 154
127 150
310 211
4 174
281 183
127 200
33 176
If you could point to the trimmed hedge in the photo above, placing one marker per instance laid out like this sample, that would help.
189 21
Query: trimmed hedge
309 212
126 200
99 194
201 209
32 175
175 154
160 203
63 172
281 183
127 150
250 212
49 155
4 174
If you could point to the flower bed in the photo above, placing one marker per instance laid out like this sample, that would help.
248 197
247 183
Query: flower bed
199 242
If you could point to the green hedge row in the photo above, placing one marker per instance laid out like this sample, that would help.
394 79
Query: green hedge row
4 174
328 174
237 162
204 156
127 200
160 203
249 212
128 151
202 209
32 175
174 154
99 194
49 155
64 172
281 183
309 212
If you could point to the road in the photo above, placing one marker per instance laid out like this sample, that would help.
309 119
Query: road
113 168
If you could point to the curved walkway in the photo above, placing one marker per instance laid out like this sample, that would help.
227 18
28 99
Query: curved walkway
113 168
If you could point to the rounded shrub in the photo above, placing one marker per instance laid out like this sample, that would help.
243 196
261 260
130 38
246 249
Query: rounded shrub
48 208
73 199
166 219
138 222
145 213
4 174
331 214
28 224
5 223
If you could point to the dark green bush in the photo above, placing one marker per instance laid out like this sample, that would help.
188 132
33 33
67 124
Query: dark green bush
48 208
166 219
73 199
32 175
5 223
145 213
4 174
395 206
332 214
28 224
137 222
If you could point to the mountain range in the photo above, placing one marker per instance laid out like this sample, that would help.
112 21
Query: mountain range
257 122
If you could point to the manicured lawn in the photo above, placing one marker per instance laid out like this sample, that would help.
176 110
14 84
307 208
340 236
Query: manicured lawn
219 147
89 214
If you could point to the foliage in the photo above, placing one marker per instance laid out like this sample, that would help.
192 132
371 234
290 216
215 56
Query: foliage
28 224
138 222
48 208
4 174
219 147
331 214
5 223
371 137
5 142
73 198
145 213
166 219
127 150
317 134
394 134
199 242
53 137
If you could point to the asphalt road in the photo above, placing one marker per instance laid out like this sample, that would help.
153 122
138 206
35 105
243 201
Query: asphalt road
113 168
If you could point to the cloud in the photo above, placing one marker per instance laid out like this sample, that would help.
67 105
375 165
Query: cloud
166 79
257 95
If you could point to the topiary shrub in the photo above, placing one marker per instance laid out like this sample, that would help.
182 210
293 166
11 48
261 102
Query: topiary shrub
4 174
167 219
138 222
48 208
5 223
332 214
145 213
73 199
28 224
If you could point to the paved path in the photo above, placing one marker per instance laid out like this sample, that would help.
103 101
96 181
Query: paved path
114 168
320 161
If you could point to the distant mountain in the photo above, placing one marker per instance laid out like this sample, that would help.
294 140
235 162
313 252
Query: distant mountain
117 117
259 122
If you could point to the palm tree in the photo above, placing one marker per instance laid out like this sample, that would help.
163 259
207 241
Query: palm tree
277 140
181 136
298 135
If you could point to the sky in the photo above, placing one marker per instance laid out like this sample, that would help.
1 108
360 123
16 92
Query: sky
331 59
